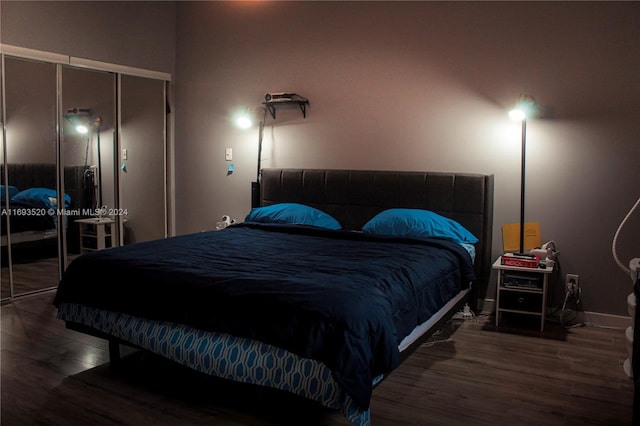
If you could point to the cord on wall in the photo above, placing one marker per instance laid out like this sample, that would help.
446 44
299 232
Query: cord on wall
615 238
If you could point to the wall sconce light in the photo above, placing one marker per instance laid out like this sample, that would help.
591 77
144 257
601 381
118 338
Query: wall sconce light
525 108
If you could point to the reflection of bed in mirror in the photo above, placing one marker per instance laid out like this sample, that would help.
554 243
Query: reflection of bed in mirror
32 191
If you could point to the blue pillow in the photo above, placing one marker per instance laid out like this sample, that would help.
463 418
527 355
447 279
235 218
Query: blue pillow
418 223
40 197
292 213
11 189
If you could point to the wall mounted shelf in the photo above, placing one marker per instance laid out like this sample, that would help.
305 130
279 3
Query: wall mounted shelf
273 104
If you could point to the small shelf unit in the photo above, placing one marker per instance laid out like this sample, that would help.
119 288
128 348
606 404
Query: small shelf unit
526 298
95 233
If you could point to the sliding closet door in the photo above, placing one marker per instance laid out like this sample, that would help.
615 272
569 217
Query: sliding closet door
5 285
142 158
30 138
112 172
88 99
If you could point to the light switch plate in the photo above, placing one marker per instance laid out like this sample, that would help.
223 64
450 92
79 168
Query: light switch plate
228 154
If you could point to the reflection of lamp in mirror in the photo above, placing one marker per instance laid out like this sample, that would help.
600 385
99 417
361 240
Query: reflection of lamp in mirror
97 122
80 119
83 120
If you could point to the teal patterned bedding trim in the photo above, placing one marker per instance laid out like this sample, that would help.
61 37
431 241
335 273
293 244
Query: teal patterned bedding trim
471 249
223 355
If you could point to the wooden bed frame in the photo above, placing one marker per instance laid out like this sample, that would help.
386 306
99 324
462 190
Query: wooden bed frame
355 196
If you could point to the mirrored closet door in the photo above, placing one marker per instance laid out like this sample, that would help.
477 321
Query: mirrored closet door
29 231
84 158
5 285
88 155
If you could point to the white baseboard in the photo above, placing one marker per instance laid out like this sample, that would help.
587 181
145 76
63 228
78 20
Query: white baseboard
589 318
604 320
488 305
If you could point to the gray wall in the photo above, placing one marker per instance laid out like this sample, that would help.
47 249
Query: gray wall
416 86
136 34
142 180
425 86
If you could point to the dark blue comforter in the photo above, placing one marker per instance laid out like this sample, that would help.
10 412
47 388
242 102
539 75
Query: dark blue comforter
342 298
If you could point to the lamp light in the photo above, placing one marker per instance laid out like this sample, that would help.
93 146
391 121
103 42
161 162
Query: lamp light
244 120
80 119
82 129
525 108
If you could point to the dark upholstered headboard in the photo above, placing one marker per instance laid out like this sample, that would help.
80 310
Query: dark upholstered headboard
355 196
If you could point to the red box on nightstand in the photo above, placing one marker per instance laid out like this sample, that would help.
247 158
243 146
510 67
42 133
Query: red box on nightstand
512 259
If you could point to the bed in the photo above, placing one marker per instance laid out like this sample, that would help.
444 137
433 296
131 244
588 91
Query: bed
312 294
32 193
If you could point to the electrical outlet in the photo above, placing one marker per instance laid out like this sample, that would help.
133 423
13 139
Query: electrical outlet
573 283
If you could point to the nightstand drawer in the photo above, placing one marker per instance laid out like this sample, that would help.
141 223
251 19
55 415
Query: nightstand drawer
521 301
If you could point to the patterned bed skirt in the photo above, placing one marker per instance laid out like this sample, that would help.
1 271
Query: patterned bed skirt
223 355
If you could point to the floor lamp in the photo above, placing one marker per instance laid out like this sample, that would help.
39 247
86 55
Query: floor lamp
524 109
97 122
255 186
245 120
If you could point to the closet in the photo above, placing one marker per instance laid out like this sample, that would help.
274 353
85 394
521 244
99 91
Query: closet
83 153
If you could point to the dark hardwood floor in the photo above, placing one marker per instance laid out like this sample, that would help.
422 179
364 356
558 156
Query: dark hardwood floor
33 271
473 375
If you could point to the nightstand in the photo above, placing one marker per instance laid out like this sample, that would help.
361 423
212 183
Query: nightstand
522 291
95 233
